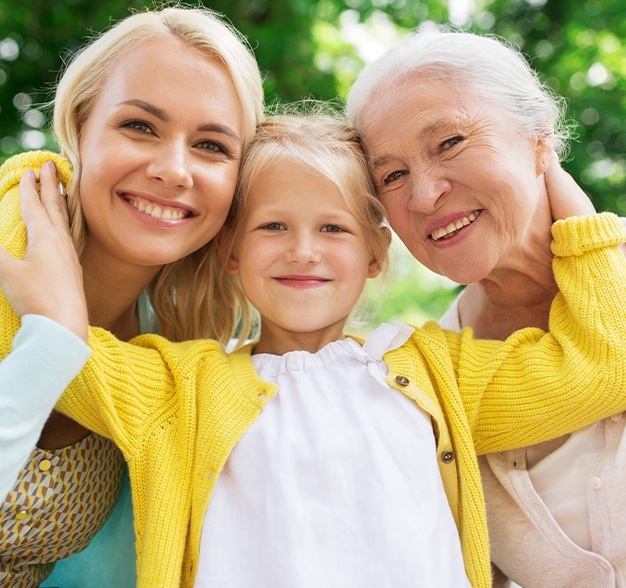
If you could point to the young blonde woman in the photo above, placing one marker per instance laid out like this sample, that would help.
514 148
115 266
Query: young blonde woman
152 118
309 458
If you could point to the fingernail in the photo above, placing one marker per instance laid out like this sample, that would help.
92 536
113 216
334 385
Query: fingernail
31 175
51 166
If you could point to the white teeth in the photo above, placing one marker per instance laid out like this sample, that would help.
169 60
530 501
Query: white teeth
454 226
158 212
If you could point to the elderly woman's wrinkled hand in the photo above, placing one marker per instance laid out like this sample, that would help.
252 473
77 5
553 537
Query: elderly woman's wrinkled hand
566 196
48 281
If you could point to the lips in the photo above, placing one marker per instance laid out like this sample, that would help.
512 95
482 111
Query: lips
154 210
451 229
302 282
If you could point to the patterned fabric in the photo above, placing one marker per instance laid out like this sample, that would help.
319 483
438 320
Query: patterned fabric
57 506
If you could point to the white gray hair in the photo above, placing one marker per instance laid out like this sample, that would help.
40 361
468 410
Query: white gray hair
497 70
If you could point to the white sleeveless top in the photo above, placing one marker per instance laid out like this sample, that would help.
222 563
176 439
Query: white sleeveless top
335 485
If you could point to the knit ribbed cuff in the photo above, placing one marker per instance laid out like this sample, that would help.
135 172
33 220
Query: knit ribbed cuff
577 235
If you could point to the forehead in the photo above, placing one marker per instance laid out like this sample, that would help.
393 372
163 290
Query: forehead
290 183
167 69
420 106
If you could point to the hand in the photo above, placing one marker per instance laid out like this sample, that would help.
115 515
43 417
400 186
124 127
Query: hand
49 280
565 195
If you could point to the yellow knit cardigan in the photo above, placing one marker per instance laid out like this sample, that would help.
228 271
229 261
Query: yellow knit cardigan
177 410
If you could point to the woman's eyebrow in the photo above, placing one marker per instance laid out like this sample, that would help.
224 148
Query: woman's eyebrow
161 114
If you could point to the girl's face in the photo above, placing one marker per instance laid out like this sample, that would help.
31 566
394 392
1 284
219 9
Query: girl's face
462 187
160 155
302 258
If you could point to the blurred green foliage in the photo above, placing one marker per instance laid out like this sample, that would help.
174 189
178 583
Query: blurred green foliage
315 49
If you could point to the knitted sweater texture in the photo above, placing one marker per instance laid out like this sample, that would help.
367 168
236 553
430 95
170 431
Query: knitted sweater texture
177 410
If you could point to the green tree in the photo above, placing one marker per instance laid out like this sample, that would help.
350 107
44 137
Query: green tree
316 48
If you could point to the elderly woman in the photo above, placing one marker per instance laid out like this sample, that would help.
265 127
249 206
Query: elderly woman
460 132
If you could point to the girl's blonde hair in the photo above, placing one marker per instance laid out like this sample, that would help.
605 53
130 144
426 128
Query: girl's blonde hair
325 142
185 296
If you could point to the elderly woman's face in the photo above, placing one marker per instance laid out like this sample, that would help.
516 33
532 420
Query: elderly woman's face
460 183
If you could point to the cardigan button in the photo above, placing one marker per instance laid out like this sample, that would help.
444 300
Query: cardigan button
22 514
45 465
402 380
447 456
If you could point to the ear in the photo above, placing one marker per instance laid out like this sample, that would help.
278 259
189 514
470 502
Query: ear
227 253
543 153
376 266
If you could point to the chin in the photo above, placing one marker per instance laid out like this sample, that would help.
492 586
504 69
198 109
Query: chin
466 274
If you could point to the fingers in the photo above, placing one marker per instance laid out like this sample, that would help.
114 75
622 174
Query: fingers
51 196
50 210
566 197
29 197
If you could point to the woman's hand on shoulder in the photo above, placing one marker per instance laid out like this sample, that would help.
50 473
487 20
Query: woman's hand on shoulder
565 195
49 280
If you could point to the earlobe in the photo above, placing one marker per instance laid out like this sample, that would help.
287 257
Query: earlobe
543 152
375 266
231 264
227 253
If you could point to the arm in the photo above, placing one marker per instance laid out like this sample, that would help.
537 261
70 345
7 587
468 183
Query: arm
125 383
537 386
546 386
44 360
45 356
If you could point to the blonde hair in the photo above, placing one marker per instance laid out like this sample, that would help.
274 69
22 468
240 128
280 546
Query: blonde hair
492 66
326 143
184 294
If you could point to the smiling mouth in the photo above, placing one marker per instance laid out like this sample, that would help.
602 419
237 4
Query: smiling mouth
156 211
451 229
302 281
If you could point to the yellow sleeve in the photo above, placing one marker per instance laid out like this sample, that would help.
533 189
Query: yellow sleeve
12 229
535 385
127 389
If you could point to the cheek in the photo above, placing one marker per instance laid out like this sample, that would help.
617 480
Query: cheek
218 188
391 206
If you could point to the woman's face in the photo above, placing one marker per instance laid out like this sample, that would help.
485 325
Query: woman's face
160 155
461 185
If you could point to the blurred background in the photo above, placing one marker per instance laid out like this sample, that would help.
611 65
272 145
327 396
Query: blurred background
314 49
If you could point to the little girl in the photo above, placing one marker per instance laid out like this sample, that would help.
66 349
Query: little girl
313 459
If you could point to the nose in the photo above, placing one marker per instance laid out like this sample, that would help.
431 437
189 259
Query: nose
170 166
303 250
426 190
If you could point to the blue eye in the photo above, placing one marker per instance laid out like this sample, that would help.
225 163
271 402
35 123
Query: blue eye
273 226
331 229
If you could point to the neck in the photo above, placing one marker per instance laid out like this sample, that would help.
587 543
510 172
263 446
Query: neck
111 291
518 292
507 301
278 341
